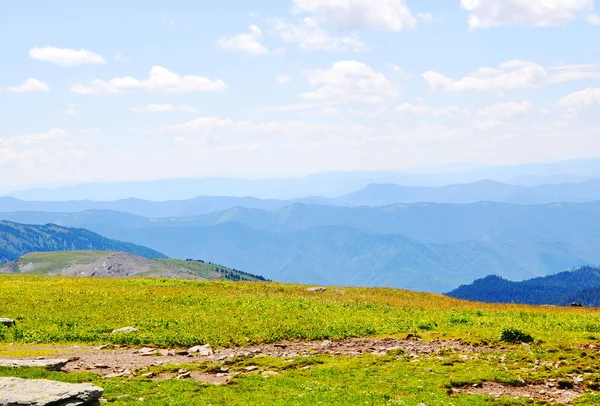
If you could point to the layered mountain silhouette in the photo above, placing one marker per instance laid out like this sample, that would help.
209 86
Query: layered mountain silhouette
434 247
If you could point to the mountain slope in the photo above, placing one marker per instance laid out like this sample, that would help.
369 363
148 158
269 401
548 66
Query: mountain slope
421 246
346 256
371 195
19 239
580 285
118 265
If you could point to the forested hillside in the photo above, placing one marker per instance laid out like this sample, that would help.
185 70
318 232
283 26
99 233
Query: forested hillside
581 285
19 239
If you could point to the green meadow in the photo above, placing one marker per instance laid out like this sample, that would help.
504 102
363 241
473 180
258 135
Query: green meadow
175 313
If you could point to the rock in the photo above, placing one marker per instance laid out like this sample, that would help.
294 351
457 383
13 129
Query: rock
7 322
339 292
146 352
184 375
202 350
251 368
125 330
576 304
39 392
102 347
50 364
318 289
270 373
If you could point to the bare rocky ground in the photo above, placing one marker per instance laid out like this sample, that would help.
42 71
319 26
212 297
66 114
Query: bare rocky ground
111 360
549 392
114 361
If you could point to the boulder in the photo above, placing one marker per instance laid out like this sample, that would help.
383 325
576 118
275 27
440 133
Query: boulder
318 289
125 330
50 364
576 304
202 350
7 322
39 392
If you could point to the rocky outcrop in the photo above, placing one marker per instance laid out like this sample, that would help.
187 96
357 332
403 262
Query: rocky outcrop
201 350
7 322
125 330
50 364
38 392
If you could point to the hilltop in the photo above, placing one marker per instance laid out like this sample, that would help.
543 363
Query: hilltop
119 265
581 285
19 239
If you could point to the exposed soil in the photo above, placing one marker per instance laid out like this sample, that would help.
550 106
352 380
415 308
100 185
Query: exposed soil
548 392
123 361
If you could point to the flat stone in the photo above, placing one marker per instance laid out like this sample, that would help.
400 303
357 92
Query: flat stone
202 350
318 289
40 392
50 364
7 322
125 330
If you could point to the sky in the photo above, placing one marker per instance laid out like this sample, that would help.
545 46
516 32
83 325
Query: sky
153 89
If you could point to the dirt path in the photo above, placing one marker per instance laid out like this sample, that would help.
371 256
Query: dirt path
111 360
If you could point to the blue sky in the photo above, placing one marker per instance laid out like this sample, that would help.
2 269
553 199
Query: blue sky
132 90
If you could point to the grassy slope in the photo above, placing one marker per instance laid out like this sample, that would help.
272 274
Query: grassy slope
54 262
181 313
175 312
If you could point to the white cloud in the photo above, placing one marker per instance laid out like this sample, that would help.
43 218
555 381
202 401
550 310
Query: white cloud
310 37
506 109
568 73
329 111
426 17
581 98
71 110
31 85
155 108
283 79
401 73
34 139
161 80
66 57
248 43
510 75
408 108
489 124
515 74
349 81
188 109
162 108
593 19
385 15
537 13
121 58
210 126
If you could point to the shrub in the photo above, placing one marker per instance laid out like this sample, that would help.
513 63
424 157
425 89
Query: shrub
514 336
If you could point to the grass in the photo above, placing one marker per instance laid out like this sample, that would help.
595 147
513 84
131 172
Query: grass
49 262
183 313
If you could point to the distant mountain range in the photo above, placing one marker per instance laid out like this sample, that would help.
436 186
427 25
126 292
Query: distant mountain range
372 195
581 285
19 239
434 247
328 184
118 265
